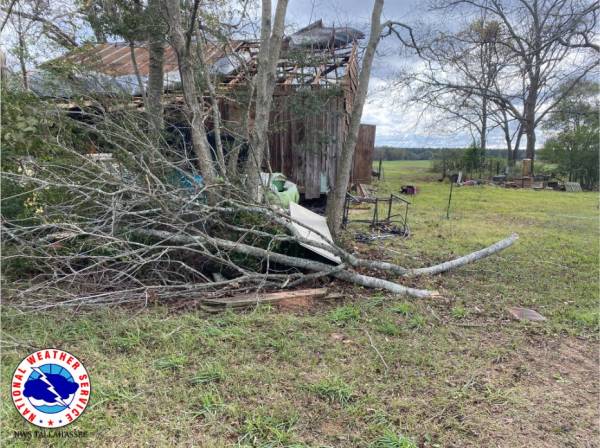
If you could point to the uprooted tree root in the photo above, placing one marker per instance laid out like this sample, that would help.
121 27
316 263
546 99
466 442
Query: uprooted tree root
95 233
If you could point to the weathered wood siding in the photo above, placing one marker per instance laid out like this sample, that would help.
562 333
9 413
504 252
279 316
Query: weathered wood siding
363 154
305 145
308 125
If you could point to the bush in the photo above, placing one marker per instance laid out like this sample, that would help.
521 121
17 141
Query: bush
575 152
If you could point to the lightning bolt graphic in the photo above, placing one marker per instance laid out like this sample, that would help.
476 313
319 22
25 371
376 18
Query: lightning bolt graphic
50 386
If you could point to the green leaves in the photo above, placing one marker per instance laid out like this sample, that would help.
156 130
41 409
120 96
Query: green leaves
575 151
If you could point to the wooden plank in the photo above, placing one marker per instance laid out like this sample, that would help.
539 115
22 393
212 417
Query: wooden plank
249 299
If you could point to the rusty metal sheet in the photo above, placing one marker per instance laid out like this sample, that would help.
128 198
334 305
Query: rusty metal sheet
114 59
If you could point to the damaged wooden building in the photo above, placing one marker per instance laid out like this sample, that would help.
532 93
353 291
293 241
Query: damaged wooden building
317 77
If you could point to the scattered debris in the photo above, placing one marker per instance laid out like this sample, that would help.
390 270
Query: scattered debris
281 191
538 185
396 224
316 35
472 182
409 189
555 185
368 238
365 191
316 222
573 187
525 314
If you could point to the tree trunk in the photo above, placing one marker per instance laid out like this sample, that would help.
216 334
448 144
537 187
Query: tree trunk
136 71
190 94
335 201
156 51
242 135
529 124
21 54
484 117
268 56
214 103
529 117
508 141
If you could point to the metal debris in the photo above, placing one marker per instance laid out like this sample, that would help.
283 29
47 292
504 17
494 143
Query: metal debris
316 222
525 314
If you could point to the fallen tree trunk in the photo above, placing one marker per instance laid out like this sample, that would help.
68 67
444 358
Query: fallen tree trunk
301 263
322 269
356 262
470 258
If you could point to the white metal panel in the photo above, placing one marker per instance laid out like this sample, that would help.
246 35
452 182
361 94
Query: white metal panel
317 223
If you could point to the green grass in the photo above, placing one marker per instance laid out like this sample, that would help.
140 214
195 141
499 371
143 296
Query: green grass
333 390
345 314
403 308
456 370
209 374
392 440
459 312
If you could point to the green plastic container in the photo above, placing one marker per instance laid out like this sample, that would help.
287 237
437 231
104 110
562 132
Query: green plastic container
279 184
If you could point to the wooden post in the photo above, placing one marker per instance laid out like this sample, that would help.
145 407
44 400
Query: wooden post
449 199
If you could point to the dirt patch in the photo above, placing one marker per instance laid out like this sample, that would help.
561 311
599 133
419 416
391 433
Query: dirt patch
296 305
553 385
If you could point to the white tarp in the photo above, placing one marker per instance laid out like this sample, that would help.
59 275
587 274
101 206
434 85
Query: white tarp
316 222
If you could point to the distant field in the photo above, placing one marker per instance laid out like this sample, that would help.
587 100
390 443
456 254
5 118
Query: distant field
395 166
372 370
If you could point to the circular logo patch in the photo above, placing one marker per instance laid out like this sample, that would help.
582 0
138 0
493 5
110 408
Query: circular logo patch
50 388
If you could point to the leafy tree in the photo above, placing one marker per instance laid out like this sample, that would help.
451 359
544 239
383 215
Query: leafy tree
575 151
575 147
474 158
578 108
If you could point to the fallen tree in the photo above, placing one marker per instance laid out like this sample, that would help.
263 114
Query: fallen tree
135 225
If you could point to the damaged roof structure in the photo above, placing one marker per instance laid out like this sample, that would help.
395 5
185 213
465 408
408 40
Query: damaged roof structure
306 135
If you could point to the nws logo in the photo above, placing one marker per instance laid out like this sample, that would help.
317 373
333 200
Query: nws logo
50 388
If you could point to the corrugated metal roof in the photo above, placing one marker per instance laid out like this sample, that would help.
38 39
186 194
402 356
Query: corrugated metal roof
108 68
114 59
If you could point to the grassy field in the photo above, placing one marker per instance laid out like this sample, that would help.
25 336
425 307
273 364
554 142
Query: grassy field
371 370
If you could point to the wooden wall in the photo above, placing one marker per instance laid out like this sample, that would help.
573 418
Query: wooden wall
305 141
363 155
304 146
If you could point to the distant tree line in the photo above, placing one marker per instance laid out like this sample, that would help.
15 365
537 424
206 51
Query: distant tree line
474 162
397 153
